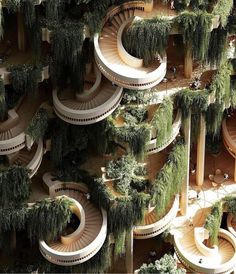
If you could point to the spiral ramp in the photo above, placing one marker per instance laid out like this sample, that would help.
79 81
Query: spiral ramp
86 241
115 62
229 134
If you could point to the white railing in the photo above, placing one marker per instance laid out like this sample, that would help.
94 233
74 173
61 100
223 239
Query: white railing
34 164
153 148
152 230
228 141
89 116
81 255
210 268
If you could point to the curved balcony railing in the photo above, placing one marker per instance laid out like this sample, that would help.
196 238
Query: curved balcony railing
152 146
157 227
98 108
229 131
195 260
115 62
83 244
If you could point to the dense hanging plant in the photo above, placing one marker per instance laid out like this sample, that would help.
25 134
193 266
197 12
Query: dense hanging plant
68 60
214 117
213 222
217 46
169 180
223 9
147 38
162 121
28 9
48 218
196 28
25 78
38 125
3 105
14 185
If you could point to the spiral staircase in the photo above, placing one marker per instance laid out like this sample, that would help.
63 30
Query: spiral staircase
229 134
115 62
93 105
86 241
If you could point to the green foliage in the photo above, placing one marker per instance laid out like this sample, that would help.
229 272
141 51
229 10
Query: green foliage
188 100
67 139
28 9
14 185
214 117
166 264
223 8
48 218
217 46
170 178
230 205
3 105
147 38
25 78
38 125
195 28
162 121
13 5
136 96
213 222
68 60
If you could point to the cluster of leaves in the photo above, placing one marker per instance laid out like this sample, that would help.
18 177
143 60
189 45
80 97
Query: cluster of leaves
14 185
162 121
25 78
170 178
166 265
136 96
213 222
195 28
38 125
147 38
223 9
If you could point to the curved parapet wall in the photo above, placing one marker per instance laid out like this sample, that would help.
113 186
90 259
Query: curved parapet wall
101 106
158 226
196 261
112 59
83 244
152 146
34 164
229 135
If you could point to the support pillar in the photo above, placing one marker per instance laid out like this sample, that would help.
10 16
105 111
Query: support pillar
21 32
188 62
201 152
185 185
129 251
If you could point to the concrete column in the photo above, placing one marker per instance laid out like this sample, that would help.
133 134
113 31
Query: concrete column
201 152
188 62
21 32
185 186
129 243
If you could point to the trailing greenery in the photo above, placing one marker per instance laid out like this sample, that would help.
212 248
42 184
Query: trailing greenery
14 185
162 121
38 125
68 60
147 38
25 78
223 8
195 28
167 264
136 96
217 46
3 105
48 218
214 117
169 180
213 222
13 5
29 12
188 100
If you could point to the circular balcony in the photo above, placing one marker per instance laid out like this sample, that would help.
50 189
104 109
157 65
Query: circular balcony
229 134
153 225
115 62
90 235
93 105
